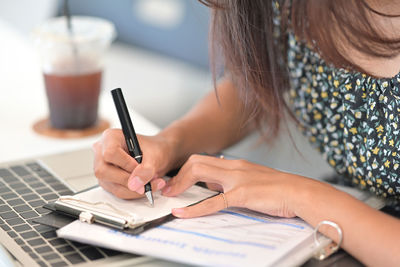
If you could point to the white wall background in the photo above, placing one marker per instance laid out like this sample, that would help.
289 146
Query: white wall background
24 14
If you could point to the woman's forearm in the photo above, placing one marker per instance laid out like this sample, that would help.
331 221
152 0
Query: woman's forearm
215 123
363 227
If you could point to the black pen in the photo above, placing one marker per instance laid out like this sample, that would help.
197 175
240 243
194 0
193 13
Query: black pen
130 135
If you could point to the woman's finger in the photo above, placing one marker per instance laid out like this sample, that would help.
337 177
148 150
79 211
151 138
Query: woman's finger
119 157
119 190
114 151
206 207
110 173
237 164
197 172
142 174
214 187
125 193
210 160
113 137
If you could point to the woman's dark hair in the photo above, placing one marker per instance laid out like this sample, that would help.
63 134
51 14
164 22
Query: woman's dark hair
254 52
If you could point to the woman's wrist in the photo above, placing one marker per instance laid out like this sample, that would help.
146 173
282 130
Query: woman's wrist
306 193
314 200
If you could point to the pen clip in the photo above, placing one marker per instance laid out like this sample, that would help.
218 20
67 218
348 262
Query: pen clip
131 147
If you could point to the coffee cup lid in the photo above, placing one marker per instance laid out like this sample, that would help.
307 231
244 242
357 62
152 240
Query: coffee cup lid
84 29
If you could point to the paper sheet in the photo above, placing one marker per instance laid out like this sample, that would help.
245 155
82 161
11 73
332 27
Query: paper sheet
231 237
141 207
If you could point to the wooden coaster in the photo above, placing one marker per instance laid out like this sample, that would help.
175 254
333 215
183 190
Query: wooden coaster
43 127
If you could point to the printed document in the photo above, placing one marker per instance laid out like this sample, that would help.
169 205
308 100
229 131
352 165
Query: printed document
231 237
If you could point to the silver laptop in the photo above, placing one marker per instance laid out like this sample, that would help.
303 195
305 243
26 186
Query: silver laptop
25 186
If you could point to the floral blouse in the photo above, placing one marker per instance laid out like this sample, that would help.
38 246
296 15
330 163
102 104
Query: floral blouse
350 117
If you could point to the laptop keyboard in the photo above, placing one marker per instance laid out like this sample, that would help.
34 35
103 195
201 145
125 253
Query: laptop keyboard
24 189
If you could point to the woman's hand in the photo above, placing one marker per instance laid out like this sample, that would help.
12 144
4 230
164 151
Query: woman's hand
120 174
244 184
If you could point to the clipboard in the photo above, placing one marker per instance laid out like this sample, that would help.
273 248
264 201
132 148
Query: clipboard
63 214
218 236
124 224
113 212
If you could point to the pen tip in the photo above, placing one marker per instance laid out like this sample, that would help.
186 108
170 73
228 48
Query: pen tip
149 196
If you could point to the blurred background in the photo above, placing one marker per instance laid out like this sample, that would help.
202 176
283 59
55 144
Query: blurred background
169 37
160 59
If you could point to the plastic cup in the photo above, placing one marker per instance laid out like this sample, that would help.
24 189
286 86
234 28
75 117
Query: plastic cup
72 68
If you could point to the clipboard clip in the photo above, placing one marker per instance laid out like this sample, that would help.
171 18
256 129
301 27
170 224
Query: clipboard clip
98 212
87 217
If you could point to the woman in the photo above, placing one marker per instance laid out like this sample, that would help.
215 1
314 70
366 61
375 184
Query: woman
331 65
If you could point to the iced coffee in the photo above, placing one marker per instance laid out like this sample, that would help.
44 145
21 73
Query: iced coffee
72 68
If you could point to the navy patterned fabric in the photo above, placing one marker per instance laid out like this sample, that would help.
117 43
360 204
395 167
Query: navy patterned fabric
350 117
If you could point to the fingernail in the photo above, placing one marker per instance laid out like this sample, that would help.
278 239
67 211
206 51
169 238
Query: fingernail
178 212
140 190
135 183
166 189
160 184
